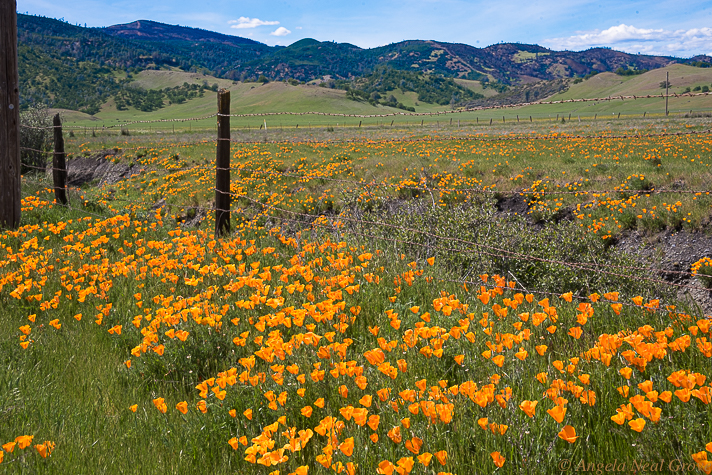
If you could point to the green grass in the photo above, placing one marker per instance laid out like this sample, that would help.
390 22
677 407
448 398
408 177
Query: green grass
253 98
71 385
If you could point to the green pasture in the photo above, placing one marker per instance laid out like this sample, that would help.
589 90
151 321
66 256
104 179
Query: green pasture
274 97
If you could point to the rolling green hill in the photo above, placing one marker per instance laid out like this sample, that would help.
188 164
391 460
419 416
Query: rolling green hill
94 69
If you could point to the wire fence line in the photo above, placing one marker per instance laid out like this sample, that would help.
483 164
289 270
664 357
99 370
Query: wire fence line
400 186
488 250
394 114
271 211
479 285
500 252
333 224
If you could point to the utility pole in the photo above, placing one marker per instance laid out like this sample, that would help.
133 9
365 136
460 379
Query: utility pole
9 117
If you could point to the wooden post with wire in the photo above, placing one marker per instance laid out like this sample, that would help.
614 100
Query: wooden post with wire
222 166
9 118
59 164
667 85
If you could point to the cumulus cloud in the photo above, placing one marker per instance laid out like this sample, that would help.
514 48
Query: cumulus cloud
281 31
247 22
630 39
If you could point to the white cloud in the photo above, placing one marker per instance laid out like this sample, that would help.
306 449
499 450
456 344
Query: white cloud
247 22
633 40
281 31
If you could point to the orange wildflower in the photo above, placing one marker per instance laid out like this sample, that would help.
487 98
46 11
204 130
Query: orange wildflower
529 407
558 413
568 433
498 459
637 424
347 446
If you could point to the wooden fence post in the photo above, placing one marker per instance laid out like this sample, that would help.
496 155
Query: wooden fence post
222 166
59 164
9 118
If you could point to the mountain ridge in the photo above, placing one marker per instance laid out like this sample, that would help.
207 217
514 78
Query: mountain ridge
65 65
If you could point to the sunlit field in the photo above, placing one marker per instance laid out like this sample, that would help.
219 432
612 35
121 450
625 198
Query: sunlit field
388 301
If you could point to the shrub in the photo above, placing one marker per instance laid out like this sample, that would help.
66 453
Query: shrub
473 239
36 135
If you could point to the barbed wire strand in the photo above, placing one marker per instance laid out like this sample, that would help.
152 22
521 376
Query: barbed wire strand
395 114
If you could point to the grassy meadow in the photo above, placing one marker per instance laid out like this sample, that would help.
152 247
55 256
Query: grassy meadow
390 300
255 98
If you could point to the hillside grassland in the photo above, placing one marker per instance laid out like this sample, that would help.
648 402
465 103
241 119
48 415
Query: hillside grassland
390 300
279 97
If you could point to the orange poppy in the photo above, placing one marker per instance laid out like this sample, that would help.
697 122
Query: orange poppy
24 441
395 434
529 407
385 468
483 422
637 424
568 433
425 458
558 413
441 456
619 418
414 445
347 446
373 421
498 459
234 443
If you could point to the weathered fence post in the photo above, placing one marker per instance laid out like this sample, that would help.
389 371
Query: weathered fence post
9 118
222 166
667 85
59 164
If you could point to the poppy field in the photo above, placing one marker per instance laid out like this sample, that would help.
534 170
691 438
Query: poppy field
336 329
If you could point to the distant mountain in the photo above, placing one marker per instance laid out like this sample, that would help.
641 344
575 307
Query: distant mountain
307 59
87 65
153 31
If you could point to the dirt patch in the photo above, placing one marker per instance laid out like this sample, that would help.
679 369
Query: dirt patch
98 169
673 253
514 204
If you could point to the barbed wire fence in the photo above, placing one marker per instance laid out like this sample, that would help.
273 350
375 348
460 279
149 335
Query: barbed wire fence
331 223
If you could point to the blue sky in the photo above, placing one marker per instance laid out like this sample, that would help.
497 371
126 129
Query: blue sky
675 28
